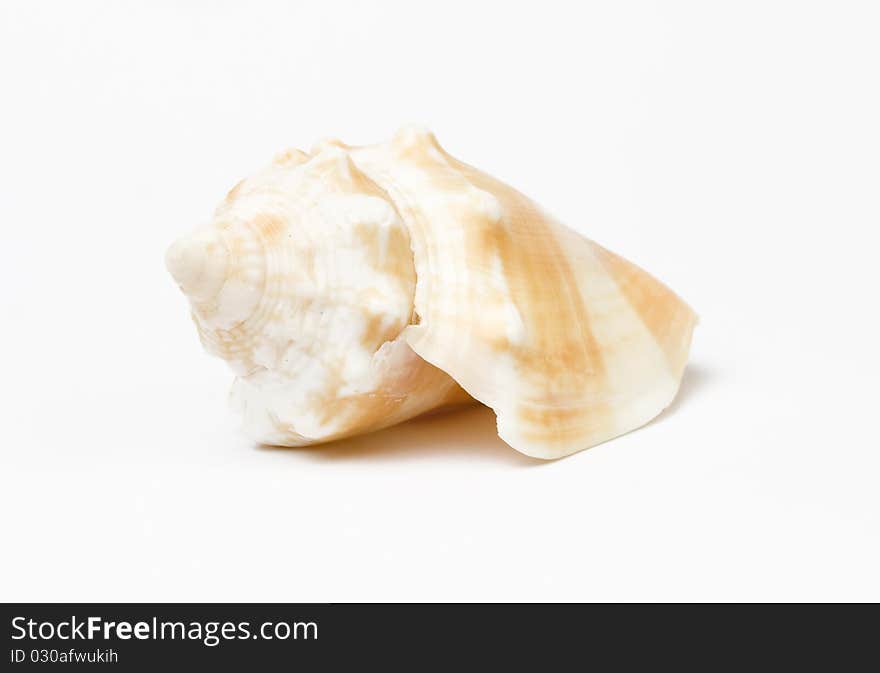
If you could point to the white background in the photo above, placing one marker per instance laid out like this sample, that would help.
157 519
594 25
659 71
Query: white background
732 149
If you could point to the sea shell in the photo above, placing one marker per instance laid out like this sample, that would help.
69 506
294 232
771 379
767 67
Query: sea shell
356 287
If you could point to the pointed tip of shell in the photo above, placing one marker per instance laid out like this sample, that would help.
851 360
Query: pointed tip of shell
198 264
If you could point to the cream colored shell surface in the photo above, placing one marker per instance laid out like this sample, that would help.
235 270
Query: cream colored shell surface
361 286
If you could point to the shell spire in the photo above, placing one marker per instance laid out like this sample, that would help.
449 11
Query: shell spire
198 264
355 287
303 282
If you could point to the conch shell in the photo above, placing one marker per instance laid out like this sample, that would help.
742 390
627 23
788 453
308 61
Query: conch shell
356 287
